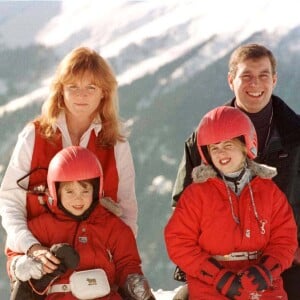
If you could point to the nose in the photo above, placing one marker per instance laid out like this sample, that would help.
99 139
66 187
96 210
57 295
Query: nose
220 152
81 92
77 197
254 80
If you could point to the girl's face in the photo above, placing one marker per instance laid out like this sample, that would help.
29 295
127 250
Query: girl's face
82 97
76 196
228 156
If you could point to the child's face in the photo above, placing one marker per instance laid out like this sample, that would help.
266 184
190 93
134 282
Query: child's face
75 196
228 156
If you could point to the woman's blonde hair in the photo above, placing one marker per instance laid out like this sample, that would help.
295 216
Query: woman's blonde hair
76 64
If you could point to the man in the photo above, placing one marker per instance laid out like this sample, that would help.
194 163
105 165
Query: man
252 77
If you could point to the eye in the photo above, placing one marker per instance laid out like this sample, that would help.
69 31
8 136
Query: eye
91 87
72 87
246 77
213 149
228 145
69 192
264 76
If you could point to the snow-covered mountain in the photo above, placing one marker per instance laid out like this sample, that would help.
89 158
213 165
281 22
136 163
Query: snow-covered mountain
170 58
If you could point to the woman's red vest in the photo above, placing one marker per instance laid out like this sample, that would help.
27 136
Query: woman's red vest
43 152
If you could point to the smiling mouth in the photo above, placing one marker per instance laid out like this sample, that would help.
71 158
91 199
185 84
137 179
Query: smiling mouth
224 161
78 207
258 94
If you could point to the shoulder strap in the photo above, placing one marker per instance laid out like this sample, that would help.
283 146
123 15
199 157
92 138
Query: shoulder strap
43 151
106 156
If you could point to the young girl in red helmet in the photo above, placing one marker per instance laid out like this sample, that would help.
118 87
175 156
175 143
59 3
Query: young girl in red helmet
233 231
109 264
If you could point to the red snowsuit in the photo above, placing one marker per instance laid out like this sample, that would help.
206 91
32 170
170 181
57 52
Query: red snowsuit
102 241
202 226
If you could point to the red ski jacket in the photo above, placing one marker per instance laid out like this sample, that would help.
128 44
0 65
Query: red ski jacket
102 241
202 225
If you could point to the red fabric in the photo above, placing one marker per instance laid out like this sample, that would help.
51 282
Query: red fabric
98 242
202 225
43 152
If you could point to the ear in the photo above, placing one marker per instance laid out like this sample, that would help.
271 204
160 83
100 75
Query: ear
101 94
230 80
274 80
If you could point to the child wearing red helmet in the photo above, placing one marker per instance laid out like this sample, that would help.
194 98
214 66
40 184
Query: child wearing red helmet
109 264
232 232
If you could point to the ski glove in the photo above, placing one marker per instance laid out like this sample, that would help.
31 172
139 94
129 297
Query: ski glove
69 259
225 281
136 287
24 267
260 277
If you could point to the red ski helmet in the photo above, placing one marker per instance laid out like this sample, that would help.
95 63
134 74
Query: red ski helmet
225 123
73 163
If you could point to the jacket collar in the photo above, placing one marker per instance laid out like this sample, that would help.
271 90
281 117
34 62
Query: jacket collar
61 123
204 172
287 122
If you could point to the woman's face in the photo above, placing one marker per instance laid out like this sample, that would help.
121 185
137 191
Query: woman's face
227 156
76 197
82 97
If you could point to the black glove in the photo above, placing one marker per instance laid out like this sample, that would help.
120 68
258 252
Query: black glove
67 255
225 281
136 287
179 275
260 277
69 259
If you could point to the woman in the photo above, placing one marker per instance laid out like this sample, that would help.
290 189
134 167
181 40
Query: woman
81 110
233 232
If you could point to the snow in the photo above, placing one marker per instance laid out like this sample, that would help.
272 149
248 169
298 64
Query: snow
165 295
203 19
37 95
161 185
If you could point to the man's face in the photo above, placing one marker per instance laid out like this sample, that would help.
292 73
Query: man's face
253 84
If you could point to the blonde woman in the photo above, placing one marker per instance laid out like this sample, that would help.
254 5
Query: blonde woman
81 110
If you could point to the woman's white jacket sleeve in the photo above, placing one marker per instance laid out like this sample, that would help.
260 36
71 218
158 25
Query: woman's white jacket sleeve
13 198
126 190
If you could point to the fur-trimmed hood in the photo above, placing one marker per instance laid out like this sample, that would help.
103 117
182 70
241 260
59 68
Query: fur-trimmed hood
203 172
